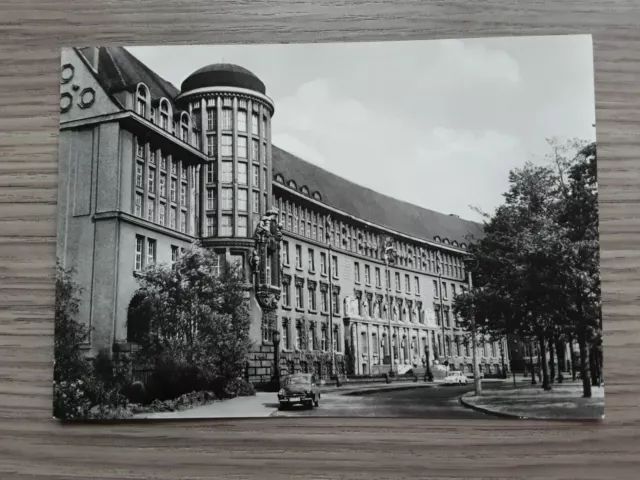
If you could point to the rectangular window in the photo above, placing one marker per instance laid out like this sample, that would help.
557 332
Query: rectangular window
161 213
263 154
163 185
264 180
183 194
142 108
172 218
139 175
242 147
211 225
183 222
237 260
138 205
453 290
388 278
264 127
174 186
378 279
356 272
226 229
324 298
242 226
227 198
140 150
211 172
436 293
226 119
151 210
285 252
323 263
151 252
163 161
242 173
211 145
286 295
227 172
407 284
184 134
152 155
139 252
175 252
256 176
227 146
242 200
254 125
151 175
312 261
211 119
444 290
334 267
312 299
174 167
183 172
336 302
255 151
299 298
417 285
242 123
211 198
398 286
164 121
298 256
367 274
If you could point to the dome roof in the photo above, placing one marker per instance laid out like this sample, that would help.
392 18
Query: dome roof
223 75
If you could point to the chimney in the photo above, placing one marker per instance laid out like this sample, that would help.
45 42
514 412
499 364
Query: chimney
91 54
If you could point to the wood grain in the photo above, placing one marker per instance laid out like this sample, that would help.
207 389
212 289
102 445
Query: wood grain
34 446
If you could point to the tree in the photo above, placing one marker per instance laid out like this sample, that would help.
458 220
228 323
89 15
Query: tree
537 264
197 322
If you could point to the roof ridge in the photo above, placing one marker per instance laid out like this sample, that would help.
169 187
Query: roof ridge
162 81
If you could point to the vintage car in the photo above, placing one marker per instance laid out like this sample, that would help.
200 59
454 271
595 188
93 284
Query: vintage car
455 378
299 388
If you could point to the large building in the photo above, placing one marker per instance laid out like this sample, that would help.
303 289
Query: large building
147 169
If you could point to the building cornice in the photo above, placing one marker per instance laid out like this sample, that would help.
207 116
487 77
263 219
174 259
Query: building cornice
232 90
367 223
141 126
140 222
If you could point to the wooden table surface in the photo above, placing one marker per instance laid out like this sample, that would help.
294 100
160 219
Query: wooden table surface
34 446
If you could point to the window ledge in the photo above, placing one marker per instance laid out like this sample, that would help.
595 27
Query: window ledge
286 307
298 309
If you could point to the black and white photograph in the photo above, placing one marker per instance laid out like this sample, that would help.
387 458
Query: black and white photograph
389 229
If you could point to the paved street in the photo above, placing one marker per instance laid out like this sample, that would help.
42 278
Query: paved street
427 402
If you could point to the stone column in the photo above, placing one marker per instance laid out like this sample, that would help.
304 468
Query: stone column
369 345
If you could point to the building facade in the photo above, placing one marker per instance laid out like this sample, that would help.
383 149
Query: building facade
147 169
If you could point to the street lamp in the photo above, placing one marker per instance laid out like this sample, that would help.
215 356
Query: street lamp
276 347
472 263
389 253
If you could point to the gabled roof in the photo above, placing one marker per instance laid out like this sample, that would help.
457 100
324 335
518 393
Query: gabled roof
370 205
119 70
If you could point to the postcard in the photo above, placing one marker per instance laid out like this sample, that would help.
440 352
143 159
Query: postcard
392 229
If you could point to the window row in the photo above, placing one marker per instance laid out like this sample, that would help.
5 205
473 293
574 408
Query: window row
310 298
226 121
441 288
305 336
226 226
310 260
241 147
153 157
151 176
160 213
241 174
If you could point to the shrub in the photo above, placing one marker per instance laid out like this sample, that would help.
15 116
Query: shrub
238 388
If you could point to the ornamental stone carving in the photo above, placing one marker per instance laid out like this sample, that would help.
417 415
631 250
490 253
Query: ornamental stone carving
324 287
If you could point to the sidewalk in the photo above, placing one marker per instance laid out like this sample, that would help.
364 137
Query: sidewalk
564 402
261 405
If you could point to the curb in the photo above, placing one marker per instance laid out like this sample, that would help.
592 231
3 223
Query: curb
488 411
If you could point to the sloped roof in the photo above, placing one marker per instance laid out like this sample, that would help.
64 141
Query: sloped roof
223 75
370 205
119 70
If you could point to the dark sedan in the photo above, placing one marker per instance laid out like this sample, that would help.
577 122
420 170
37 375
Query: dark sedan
300 388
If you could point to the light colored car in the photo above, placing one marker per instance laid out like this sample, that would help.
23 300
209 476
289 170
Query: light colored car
455 378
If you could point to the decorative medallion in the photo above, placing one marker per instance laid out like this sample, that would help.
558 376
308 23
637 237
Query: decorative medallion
87 97
67 73
65 102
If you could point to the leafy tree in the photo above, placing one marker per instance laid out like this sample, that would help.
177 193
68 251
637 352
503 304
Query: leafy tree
195 323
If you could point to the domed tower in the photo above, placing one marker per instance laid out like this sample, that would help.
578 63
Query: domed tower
233 112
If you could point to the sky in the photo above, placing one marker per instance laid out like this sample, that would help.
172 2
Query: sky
435 123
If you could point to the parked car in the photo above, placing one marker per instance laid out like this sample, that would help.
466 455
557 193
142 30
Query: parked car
299 388
455 378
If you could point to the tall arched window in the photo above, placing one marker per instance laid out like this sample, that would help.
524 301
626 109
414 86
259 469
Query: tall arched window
137 319
184 127
164 114
142 99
